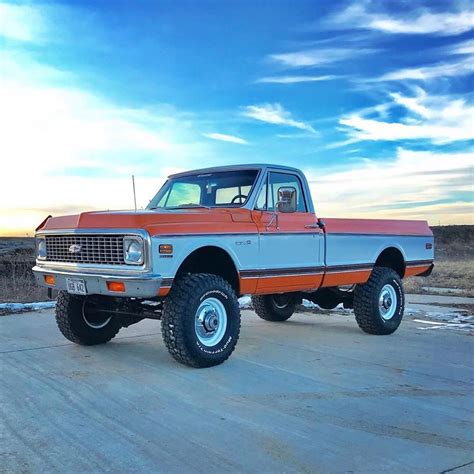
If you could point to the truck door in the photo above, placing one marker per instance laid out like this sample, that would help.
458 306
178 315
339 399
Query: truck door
291 245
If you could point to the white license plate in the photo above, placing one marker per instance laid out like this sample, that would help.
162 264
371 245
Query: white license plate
76 286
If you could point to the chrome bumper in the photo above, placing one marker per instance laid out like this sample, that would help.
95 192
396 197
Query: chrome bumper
138 286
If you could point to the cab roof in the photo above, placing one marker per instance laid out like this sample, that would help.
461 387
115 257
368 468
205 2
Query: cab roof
220 169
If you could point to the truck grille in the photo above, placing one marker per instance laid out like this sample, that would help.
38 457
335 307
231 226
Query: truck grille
95 249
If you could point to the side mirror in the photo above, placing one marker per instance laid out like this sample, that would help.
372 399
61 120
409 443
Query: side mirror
286 199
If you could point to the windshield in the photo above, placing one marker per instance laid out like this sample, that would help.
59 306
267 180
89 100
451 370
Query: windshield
222 189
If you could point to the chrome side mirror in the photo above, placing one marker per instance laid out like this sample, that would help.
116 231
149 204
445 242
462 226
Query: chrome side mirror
286 200
286 204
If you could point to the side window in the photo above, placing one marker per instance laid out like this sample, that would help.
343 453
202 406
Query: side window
281 180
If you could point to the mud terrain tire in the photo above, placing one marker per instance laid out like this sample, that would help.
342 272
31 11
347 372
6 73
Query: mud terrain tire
201 320
274 308
81 326
379 304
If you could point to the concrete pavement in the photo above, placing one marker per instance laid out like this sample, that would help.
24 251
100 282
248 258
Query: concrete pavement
311 394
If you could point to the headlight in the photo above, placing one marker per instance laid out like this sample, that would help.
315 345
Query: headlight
133 250
41 248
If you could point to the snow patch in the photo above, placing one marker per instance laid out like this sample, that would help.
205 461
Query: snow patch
20 307
245 302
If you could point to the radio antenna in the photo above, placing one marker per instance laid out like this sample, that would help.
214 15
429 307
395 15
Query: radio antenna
134 193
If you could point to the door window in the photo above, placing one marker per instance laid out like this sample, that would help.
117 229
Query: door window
281 180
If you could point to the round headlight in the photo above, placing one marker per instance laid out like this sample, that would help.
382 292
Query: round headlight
41 248
133 252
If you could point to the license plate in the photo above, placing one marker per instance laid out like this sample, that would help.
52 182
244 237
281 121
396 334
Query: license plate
76 286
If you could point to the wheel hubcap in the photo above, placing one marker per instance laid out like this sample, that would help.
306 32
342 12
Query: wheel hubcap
210 322
92 318
387 302
281 301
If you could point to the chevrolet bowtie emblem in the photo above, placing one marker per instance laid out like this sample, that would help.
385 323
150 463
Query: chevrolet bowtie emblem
74 248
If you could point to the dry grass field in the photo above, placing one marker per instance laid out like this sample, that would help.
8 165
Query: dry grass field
17 283
454 266
454 261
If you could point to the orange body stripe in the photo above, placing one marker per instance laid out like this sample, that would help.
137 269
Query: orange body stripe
346 278
291 283
248 286
411 271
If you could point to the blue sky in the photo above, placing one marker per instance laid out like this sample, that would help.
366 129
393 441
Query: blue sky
372 99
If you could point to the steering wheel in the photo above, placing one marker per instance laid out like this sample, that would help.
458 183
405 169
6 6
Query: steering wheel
239 196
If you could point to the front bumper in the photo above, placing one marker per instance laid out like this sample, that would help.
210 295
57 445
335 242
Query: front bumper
138 286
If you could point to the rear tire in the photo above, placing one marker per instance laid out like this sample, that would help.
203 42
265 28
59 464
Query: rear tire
78 322
201 320
275 307
326 298
379 304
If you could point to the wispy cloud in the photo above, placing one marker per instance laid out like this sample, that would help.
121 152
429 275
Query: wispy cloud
22 22
294 79
226 138
459 67
414 185
447 23
275 114
317 56
439 119
425 73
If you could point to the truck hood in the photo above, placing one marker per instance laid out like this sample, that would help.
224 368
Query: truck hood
185 221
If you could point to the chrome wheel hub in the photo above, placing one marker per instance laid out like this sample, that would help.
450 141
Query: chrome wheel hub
210 322
92 318
281 301
387 302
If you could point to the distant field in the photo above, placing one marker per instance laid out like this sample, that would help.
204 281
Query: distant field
454 261
16 278
453 246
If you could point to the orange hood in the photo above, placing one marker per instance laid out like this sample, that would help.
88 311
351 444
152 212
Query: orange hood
186 221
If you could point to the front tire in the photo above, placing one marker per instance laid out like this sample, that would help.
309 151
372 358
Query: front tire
277 308
201 320
379 304
79 322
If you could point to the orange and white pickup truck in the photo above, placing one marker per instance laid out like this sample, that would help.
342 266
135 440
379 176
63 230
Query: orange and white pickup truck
212 235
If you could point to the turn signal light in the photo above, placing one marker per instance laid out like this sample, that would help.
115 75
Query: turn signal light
166 249
118 286
49 279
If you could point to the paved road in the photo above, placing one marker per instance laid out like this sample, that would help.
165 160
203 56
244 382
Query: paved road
311 394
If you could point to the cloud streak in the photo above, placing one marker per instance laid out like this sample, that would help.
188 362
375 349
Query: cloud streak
317 56
226 138
459 67
439 119
294 79
275 114
422 22
400 187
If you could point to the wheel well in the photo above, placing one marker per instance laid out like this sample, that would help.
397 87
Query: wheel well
392 258
211 260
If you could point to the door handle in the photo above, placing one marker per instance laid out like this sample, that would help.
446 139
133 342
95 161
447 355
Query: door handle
312 226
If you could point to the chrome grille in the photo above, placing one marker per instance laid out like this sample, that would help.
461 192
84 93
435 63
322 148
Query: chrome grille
95 249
